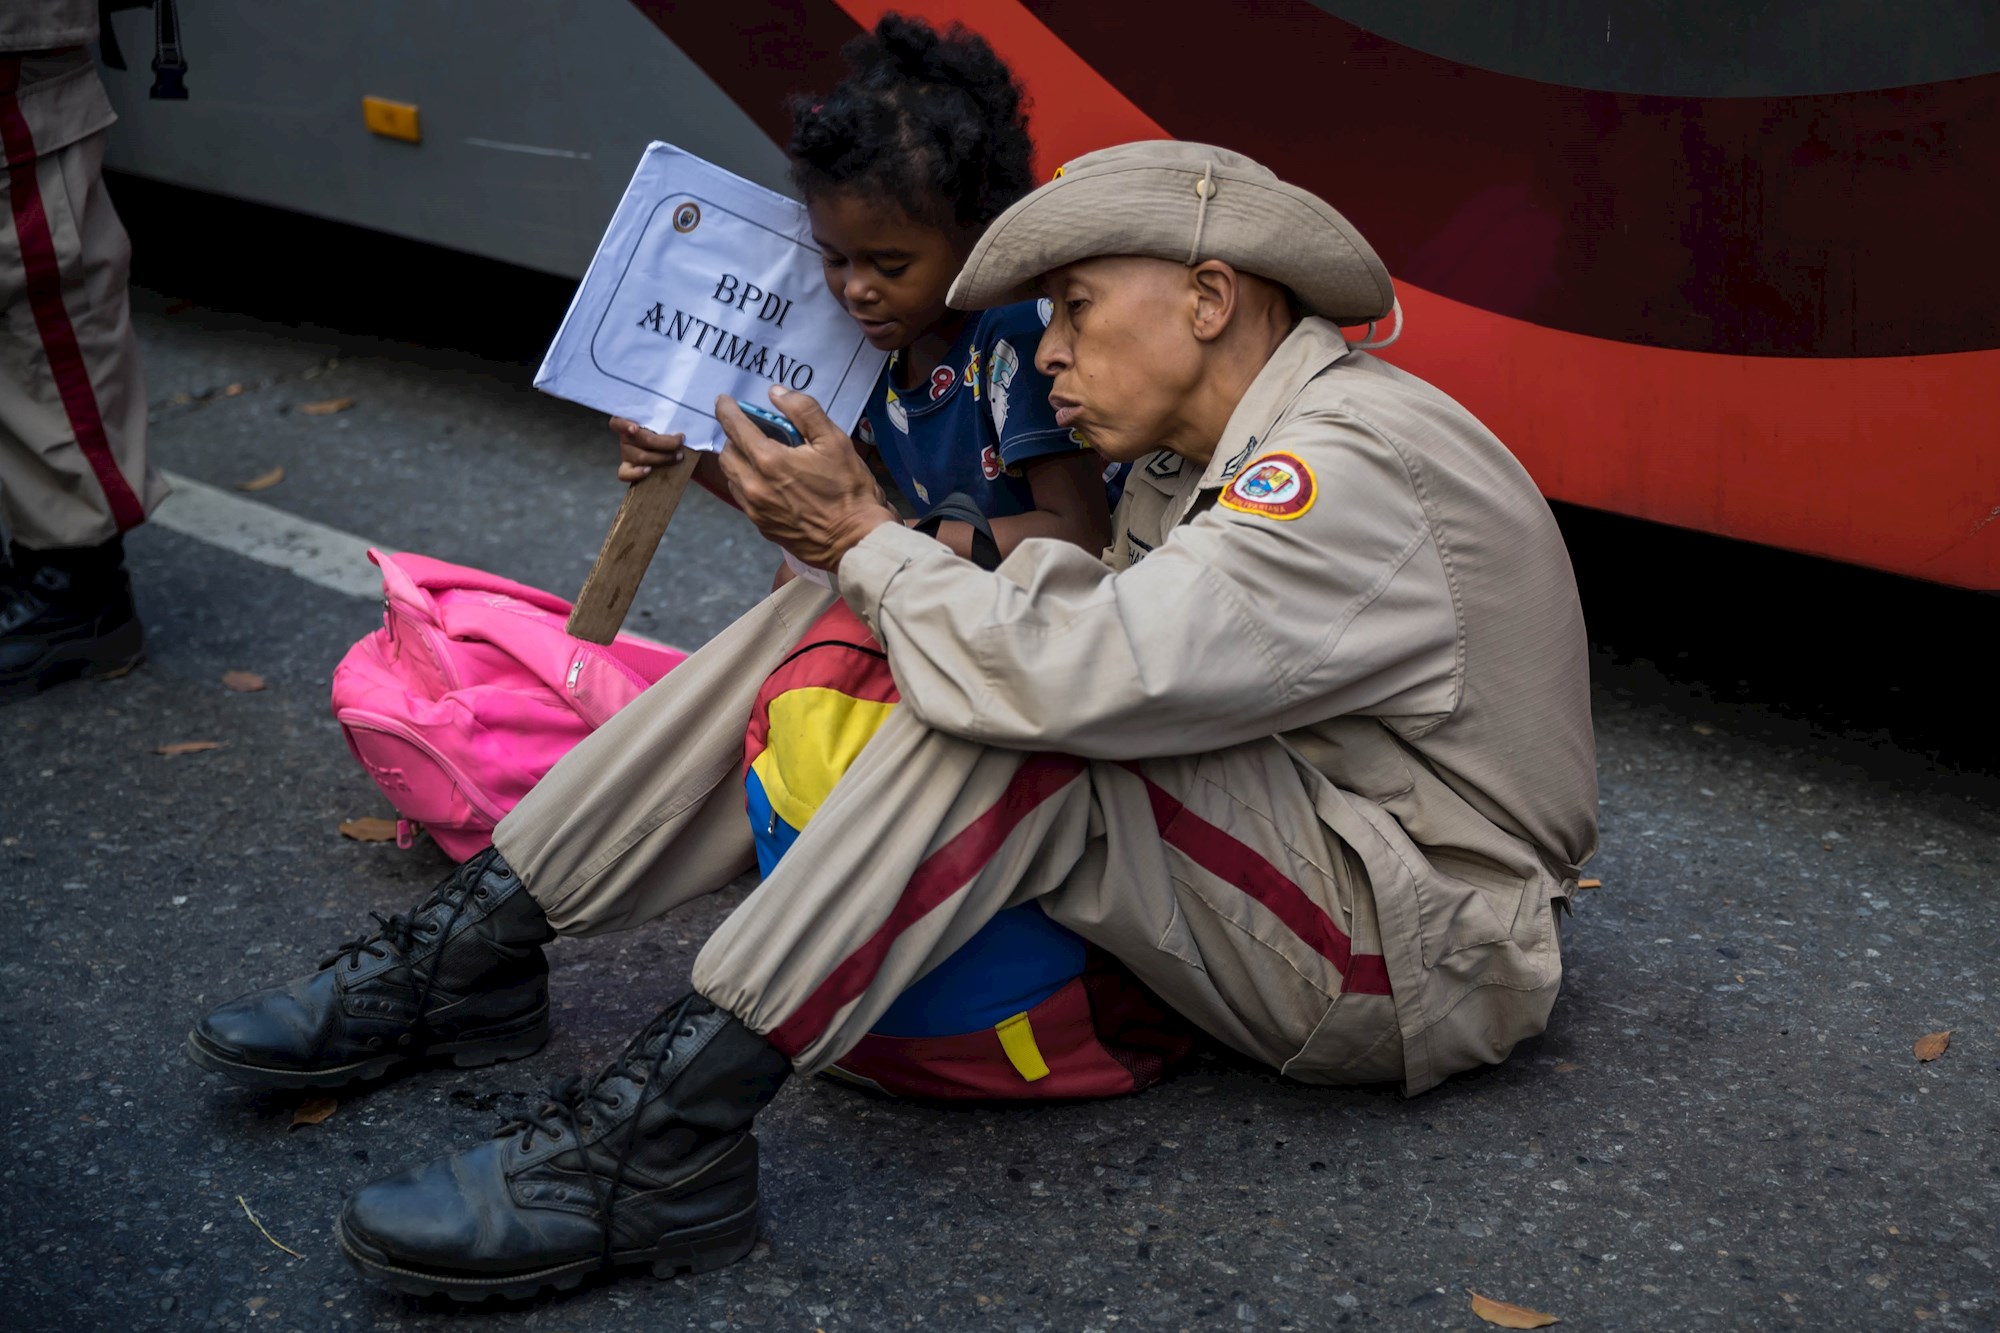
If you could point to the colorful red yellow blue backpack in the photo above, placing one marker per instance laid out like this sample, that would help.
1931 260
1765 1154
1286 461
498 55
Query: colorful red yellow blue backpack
1025 1009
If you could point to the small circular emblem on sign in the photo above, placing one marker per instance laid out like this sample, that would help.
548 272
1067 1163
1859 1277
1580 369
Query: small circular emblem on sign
1274 486
687 217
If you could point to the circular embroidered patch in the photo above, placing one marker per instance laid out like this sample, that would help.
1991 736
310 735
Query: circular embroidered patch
1275 486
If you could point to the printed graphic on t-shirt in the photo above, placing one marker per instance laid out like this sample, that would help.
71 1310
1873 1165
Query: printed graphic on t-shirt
1001 378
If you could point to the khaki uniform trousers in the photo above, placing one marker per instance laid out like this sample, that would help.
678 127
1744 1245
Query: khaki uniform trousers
73 465
1209 876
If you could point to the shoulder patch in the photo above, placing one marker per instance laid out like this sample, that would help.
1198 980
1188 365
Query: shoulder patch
1046 309
1274 486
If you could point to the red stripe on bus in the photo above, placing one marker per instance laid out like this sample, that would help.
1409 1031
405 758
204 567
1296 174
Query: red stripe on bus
1241 865
44 283
941 876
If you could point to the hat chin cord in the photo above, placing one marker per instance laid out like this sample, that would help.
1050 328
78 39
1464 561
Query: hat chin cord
1370 342
1204 190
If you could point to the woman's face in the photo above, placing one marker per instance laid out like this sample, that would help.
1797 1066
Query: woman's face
1121 354
890 271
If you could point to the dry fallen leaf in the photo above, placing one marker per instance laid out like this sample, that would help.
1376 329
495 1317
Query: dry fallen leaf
1931 1046
1568 1067
187 747
1703 729
232 391
326 407
263 483
1508 1316
369 829
312 1110
243 682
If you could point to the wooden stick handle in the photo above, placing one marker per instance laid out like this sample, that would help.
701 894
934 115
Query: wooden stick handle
628 548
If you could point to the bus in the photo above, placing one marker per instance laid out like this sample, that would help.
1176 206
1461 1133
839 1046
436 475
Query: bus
1728 267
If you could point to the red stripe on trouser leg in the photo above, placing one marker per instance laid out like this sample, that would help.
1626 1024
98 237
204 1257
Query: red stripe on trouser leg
1237 863
941 875
44 282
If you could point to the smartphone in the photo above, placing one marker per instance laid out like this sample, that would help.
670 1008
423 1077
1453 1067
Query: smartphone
771 423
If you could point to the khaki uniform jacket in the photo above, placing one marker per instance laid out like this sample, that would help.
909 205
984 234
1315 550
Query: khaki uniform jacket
42 25
62 101
1411 631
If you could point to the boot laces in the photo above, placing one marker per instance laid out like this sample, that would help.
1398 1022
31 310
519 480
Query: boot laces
573 1106
18 603
402 932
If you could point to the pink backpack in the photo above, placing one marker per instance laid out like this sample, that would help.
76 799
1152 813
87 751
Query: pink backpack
470 692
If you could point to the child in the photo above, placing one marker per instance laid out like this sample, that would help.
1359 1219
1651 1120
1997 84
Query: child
901 166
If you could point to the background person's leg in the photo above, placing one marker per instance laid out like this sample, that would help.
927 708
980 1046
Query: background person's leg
74 473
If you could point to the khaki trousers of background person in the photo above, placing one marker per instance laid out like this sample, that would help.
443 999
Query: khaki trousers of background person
73 466
1209 876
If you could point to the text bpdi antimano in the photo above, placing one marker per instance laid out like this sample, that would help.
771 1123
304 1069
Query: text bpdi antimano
743 353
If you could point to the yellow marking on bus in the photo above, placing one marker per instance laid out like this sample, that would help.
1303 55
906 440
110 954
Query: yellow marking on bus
391 120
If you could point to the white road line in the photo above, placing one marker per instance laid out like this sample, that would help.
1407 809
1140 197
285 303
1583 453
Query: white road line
313 551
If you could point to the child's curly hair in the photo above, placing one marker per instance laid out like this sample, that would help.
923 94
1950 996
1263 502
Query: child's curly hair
931 120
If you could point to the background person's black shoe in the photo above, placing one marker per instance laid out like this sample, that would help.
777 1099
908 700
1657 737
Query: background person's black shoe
463 977
64 614
652 1162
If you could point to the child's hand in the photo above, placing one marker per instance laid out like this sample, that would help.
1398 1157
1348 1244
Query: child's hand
640 450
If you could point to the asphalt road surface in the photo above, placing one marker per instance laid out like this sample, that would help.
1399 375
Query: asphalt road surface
1725 1126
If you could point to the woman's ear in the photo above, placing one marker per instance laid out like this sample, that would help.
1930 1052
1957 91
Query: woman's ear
1216 289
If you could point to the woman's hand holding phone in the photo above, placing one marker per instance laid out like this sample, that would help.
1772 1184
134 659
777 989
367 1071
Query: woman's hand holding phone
815 499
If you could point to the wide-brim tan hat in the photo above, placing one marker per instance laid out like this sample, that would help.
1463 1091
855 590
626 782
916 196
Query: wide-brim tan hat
1188 202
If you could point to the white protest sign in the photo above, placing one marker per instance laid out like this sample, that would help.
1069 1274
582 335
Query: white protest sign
705 284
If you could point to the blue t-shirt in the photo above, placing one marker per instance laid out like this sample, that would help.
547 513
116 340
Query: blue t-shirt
984 412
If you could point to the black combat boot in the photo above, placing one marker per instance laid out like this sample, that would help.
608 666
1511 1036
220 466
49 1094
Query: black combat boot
651 1162
462 976
66 613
